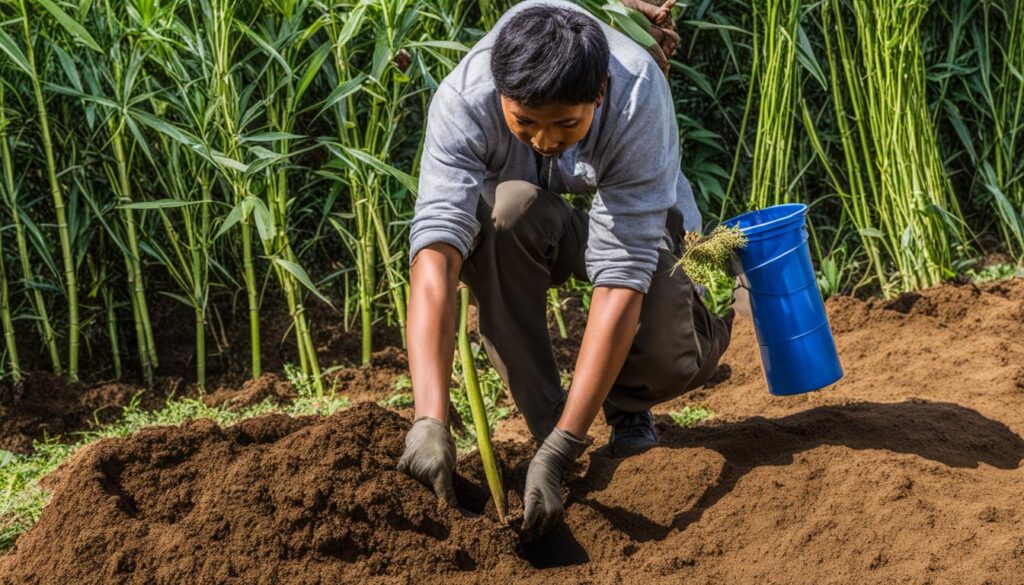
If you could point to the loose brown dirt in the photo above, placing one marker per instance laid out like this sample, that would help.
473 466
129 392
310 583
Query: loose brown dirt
267 387
906 471
44 405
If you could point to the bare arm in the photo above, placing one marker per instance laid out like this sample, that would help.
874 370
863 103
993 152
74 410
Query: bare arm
611 326
434 277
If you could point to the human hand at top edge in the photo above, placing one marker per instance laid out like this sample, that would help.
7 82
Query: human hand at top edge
662 28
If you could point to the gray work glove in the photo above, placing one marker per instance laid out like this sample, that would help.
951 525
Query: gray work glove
430 457
543 495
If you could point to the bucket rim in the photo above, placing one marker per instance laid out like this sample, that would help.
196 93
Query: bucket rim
797 210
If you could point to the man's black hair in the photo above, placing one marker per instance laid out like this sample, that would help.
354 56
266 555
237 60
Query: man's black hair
547 54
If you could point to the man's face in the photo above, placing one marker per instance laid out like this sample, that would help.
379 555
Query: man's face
550 129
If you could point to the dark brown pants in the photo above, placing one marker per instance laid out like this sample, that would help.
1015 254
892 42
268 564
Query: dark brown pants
532 240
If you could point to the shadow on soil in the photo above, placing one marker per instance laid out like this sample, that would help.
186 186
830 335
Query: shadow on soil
558 548
945 433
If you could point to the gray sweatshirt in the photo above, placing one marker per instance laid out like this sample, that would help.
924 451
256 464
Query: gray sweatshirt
629 161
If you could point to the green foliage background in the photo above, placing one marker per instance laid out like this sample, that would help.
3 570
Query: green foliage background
211 152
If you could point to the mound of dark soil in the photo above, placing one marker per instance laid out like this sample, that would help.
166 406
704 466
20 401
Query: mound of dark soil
270 500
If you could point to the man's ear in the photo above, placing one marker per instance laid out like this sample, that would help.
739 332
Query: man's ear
600 95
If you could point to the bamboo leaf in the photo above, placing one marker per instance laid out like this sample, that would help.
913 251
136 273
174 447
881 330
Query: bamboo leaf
139 139
805 55
256 38
229 162
180 298
315 62
261 215
71 25
78 93
343 91
10 48
381 56
1010 214
159 204
267 155
270 137
698 78
701 24
300 274
69 67
953 115
40 245
452 45
352 23
164 127
407 180
621 16
233 217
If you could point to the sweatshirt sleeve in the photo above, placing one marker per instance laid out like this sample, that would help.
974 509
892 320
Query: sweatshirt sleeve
451 179
636 189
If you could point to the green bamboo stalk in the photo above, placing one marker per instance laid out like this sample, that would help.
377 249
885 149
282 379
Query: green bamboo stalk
5 316
122 187
283 102
140 340
199 244
367 282
342 26
396 280
367 119
900 193
476 405
27 273
133 260
775 35
855 194
219 20
1009 133
556 308
187 178
70 280
115 343
254 305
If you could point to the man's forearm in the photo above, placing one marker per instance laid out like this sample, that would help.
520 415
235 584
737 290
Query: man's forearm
434 277
611 326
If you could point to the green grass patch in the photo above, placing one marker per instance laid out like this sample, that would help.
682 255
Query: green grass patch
994 272
691 416
398 400
21 498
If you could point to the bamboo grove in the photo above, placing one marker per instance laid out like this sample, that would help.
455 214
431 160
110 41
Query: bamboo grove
228 156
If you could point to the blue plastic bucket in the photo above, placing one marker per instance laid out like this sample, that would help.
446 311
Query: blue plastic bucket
797 348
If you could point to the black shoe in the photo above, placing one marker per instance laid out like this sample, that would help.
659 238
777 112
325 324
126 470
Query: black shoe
633 432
